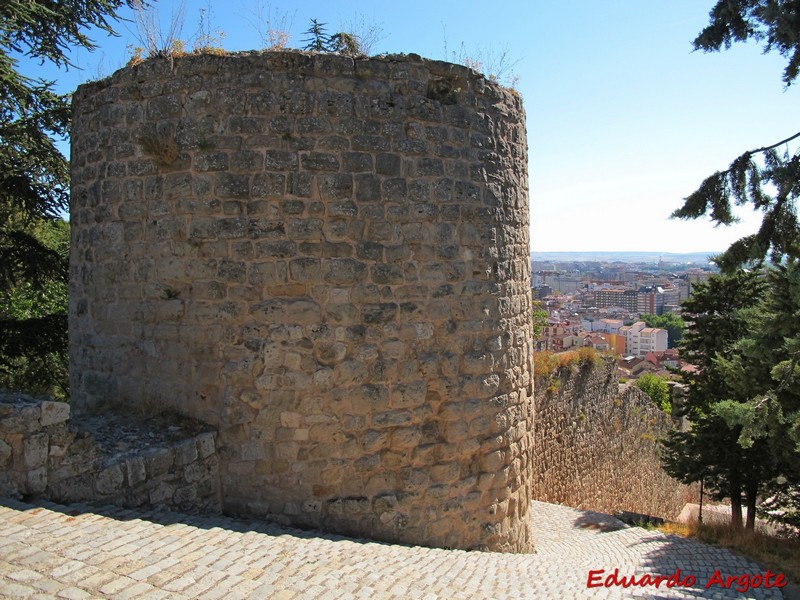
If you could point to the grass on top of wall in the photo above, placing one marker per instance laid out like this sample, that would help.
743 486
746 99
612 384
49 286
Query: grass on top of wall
548 364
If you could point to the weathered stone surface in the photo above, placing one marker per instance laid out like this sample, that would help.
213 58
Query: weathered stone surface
35 450
109 458
333 262
608 437
53 413
5 453
110 480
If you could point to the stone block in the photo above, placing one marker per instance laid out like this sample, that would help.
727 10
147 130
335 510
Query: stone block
394 418
110 480
19 418
158 461
54 413
184 495
162 493
341 271
135 470
206 444
406 437
319 161
350 372
409 395
5 453
186 452
36 480
194 472
35 449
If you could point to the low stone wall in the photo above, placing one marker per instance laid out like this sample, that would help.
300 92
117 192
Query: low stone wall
110 459
597 445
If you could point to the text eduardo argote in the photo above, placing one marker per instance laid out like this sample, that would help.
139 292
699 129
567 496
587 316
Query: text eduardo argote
740 582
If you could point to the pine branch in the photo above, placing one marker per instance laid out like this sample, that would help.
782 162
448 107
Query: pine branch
781 143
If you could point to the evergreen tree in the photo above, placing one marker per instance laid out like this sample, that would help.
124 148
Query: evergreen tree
721 313
743 404
34 175
318 39
764 376
767 178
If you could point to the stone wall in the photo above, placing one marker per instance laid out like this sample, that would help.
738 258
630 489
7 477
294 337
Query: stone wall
107 458
597 445
327 259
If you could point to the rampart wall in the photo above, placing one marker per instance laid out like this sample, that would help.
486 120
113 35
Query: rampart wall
597 445
327 260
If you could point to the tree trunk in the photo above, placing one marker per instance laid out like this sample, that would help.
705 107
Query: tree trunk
751 494
736 505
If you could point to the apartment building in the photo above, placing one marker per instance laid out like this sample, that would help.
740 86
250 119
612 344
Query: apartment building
641 339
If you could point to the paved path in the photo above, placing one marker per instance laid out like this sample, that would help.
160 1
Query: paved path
77 552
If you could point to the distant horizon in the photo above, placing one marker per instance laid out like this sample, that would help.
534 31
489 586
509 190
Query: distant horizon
671 252
623 256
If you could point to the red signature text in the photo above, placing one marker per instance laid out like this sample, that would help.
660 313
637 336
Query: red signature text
747 581
614 579
741 583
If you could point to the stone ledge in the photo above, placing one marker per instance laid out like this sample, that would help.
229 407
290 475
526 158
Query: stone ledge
164 462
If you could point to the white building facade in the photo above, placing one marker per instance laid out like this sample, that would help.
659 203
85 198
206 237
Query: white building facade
641 339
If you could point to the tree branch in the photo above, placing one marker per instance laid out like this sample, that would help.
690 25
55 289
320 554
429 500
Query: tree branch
781 143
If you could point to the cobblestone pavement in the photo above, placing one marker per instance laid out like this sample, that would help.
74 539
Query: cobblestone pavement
76 552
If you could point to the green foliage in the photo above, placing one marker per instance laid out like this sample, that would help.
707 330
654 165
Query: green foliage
34 187
539 319
764 178
657 388
720 311
318 40
33 321
544 364
669 321
773 23
746 181
764 374
744 404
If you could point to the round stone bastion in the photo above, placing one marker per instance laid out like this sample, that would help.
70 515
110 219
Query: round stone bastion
327 259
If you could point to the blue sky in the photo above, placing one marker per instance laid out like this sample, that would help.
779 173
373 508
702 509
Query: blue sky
623 119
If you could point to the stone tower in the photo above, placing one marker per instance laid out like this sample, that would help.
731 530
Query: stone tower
327 259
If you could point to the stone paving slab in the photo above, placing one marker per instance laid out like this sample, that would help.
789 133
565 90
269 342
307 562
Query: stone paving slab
79 552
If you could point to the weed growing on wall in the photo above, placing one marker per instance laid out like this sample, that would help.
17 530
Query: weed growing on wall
163 147
495 64
154 38
158 40
547 366
272 27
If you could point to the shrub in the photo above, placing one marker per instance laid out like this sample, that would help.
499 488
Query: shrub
544 363
656 387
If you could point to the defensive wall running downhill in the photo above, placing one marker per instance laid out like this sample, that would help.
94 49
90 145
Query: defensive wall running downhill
325 259
597 445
